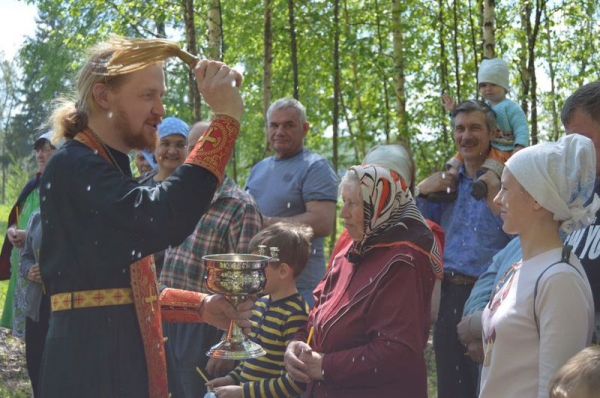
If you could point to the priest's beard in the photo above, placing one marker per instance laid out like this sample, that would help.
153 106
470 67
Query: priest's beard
136 139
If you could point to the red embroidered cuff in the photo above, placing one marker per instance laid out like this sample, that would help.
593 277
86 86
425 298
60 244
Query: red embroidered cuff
215 146
180 305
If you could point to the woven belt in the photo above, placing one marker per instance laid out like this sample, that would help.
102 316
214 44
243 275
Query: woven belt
91 298
459 279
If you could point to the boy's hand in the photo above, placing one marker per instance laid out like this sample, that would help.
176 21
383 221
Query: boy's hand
218 367
448 103
220 382
229 392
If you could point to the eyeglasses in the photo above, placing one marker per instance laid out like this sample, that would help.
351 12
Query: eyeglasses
44 149
176 145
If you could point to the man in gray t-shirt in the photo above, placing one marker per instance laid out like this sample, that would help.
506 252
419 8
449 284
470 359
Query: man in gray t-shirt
295 185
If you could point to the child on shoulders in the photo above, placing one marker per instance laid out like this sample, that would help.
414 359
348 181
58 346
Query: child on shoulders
512 132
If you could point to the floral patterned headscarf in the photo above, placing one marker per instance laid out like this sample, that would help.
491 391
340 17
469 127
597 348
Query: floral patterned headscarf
391 216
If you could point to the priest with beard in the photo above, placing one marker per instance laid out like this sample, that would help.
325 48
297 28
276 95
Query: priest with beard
100 227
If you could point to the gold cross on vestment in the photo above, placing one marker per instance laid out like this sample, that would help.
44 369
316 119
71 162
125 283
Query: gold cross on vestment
208 138
151 298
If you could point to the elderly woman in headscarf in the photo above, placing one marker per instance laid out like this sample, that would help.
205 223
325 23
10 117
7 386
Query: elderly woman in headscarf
542 311
371 317
398 158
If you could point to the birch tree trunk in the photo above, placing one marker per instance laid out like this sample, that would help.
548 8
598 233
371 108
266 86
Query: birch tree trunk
443 70
293 49
215 52
399 73
489 19
455 50
386 97
550 59
532 41
215 37
336 100
524 54
357 105
267 66
191 47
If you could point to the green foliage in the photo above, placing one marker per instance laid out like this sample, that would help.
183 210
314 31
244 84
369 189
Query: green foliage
368 110
19 172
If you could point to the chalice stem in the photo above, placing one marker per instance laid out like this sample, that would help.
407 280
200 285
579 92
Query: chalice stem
234 334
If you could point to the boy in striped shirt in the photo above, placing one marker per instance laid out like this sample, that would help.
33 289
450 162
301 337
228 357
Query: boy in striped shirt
275 318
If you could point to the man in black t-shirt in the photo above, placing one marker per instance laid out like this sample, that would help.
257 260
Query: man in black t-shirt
581 114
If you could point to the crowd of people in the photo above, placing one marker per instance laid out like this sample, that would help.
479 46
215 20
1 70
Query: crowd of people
498 252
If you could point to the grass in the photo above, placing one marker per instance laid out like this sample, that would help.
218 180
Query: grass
17 383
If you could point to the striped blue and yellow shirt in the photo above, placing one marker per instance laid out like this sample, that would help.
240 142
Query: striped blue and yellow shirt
274 324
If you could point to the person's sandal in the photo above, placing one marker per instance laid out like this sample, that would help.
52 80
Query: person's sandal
479 189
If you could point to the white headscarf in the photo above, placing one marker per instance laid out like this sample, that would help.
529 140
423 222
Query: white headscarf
560 176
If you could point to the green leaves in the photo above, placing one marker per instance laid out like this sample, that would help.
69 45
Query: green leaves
368 63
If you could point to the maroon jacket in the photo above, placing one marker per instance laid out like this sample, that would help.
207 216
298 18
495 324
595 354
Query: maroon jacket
372 322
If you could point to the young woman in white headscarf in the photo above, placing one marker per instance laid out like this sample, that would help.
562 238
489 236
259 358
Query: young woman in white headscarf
371 317
542 311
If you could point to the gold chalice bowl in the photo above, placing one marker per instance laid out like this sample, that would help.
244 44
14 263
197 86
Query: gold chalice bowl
235 276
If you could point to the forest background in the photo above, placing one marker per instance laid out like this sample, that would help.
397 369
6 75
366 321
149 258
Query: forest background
368 71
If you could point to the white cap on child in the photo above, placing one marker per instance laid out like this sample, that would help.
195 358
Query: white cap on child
494 71
560 176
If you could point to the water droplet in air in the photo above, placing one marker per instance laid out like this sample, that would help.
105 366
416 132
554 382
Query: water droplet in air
89 187
48 185
289 204
43 198
95 151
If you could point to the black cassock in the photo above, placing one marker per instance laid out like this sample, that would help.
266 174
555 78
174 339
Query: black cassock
96 221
